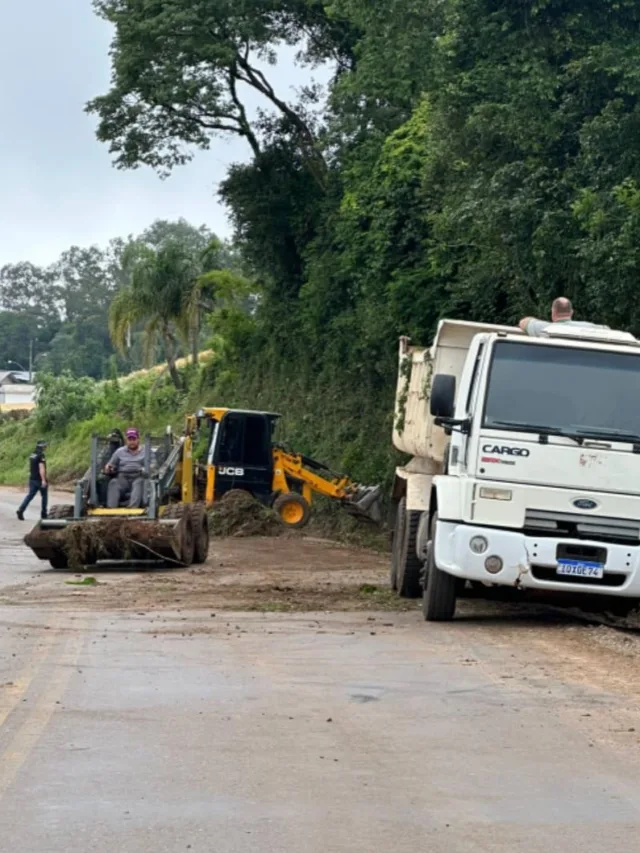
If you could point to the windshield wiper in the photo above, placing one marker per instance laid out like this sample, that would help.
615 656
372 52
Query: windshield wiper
607 433
541 429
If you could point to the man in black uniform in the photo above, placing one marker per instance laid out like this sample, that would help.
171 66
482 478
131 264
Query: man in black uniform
37 481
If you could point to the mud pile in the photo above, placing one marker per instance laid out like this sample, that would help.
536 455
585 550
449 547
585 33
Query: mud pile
239 514
125 539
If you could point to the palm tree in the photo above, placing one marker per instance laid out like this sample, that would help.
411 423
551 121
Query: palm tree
158 295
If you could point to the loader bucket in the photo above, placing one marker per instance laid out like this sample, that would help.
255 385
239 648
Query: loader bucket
365 504
83 542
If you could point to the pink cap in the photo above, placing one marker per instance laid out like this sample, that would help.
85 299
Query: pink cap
132 432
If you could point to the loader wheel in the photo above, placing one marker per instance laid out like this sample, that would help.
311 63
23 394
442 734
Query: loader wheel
90 558
406 566
61 511
440 591
187 533
60 560
201 533
293 510
188 538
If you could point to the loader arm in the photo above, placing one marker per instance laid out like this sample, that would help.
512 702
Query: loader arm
358 500
306 470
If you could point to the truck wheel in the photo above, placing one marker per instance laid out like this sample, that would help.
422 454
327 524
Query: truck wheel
439 597
407 565
293 510
396 543
201 533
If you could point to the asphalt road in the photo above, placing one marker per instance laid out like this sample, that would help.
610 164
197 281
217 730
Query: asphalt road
153 732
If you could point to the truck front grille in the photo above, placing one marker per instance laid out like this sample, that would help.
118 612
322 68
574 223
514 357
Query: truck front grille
542 522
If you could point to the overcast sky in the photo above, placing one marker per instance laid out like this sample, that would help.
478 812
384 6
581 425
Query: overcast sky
57 182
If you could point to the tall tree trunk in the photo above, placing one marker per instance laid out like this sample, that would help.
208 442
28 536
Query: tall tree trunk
170 351
195 338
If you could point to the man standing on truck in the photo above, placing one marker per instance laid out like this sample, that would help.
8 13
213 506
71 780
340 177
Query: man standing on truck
126 465
37 481
561 312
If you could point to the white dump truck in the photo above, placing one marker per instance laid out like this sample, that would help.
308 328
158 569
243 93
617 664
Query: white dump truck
525 468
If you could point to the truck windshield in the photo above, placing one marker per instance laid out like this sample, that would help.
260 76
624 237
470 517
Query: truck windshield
589 392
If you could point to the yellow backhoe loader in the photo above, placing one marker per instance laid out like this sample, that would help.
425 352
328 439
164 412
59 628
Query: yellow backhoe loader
220 450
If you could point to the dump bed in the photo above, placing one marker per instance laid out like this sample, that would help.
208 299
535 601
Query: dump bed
413 429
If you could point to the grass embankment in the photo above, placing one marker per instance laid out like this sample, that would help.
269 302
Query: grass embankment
71 411
320 419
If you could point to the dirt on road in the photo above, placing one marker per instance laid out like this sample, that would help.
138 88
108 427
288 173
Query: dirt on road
258 573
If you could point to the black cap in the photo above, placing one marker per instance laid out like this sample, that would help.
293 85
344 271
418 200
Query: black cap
42 443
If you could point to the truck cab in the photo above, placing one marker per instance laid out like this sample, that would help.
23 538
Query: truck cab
525 468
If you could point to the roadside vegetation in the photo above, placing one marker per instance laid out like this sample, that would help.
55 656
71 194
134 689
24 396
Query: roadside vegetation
467 159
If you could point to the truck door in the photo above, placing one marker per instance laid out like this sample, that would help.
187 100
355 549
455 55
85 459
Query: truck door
460 443
243 457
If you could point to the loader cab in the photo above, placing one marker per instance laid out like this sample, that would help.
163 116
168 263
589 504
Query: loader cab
240 453
95 483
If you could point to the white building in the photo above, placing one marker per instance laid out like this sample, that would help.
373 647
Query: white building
16 392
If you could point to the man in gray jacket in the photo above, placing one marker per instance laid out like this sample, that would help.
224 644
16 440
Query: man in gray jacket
561 312
127 464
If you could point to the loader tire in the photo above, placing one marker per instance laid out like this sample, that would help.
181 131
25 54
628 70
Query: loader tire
187 533
60 561
61 511
293 510
201 533
440 591
406 566
188 537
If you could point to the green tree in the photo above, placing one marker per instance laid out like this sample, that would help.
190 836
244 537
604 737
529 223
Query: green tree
64 399
157 297
194 239
31 292
275 207
473 159
16 333
181 69
217 289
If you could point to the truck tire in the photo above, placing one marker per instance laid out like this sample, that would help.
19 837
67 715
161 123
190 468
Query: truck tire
405 562
439 596
396 542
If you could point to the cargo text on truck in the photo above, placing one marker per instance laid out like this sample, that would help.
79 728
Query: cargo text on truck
525 463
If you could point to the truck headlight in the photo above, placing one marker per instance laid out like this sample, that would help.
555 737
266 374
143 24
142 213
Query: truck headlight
490 494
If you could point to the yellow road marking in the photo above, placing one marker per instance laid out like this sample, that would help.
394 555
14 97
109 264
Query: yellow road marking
30 732
11 695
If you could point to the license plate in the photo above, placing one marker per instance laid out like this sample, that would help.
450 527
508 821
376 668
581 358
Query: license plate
580 568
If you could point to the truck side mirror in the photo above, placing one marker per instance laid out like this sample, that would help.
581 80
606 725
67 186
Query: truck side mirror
443 396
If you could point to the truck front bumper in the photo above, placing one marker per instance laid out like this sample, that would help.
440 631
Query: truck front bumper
530 562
